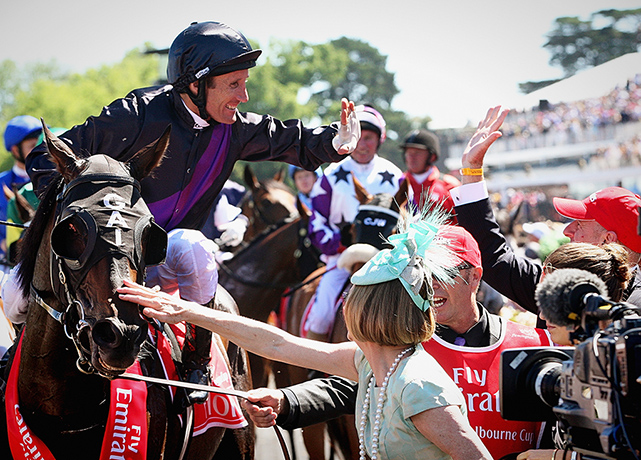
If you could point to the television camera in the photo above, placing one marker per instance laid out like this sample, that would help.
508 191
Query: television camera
592 390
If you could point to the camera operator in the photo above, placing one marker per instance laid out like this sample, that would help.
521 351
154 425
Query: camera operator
565 322
608 262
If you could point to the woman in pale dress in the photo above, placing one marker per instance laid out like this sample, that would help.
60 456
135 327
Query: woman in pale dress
407 406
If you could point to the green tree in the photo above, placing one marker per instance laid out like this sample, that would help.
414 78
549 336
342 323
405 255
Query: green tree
66 99
575 44
301 80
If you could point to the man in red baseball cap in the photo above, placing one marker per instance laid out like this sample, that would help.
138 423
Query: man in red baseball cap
610 215
607 216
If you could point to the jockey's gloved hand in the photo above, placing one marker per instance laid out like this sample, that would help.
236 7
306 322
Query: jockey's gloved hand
233 232
348 134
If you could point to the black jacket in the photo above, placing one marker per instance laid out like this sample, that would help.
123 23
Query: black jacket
513 276
182 190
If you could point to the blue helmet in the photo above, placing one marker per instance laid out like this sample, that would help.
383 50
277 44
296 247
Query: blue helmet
19 128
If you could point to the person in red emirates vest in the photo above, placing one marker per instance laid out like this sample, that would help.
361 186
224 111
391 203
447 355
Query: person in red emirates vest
468 345
421 149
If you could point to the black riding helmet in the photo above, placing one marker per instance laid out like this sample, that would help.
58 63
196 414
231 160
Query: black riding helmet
207 49
422 139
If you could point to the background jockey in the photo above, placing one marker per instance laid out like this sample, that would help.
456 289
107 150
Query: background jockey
207 70
304 182
335 206
421 149
20 136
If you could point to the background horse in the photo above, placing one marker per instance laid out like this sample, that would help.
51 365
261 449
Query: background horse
342 431
91 231
270 263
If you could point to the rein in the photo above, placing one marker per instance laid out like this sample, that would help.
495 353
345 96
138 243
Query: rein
13 224
207 388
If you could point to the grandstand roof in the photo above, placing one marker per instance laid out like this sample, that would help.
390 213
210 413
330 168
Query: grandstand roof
590 83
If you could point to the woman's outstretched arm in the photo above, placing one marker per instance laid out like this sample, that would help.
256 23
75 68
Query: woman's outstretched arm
254 336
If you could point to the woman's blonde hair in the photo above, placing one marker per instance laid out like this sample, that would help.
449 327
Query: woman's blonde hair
608 261
385 314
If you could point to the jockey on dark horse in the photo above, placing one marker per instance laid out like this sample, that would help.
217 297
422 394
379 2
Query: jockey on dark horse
334 207
208 67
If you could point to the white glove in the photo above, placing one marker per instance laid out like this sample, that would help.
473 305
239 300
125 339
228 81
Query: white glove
348 134
15 304
233 232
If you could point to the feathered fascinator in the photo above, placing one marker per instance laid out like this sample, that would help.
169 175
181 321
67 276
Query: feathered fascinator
417 256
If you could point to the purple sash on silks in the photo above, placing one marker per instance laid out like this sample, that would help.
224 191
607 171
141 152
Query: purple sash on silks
170 211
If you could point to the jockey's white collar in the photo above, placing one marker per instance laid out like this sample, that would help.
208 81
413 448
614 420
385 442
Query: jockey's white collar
199 123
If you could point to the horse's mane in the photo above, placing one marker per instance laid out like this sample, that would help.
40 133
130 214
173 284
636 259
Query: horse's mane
272 183
384 200
32 238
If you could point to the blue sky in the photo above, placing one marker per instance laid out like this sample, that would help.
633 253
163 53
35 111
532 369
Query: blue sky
452 60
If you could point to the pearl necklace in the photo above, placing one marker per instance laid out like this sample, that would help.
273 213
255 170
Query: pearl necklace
379 410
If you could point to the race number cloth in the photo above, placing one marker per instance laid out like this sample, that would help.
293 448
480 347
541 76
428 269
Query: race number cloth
476 372
126 431
219 410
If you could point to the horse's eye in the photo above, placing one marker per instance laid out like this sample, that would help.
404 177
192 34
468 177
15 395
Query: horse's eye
69 238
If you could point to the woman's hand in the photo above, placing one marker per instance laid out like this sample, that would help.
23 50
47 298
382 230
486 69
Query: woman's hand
159 305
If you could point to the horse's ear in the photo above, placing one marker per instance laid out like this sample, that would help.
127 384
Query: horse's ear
250 179
400 199
147 158
362 195
25 210
8 193
280 175
67 163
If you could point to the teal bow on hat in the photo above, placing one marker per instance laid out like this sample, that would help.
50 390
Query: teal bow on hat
414 260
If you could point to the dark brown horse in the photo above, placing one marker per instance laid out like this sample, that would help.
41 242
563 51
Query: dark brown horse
342 431
91 231
269 264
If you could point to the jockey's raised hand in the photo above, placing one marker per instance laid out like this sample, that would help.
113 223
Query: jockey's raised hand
486 133
350 131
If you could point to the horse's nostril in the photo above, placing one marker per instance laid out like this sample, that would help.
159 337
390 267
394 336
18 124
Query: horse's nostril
106 334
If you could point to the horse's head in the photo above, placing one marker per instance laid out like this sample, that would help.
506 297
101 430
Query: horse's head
102 233
269 203
377 215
